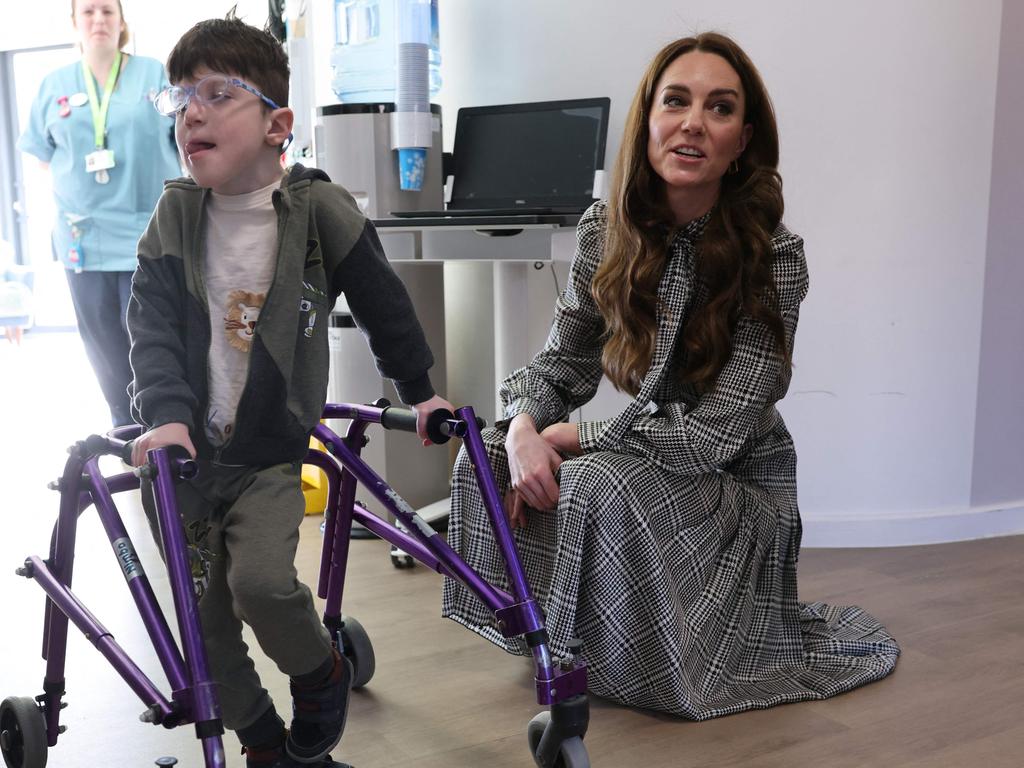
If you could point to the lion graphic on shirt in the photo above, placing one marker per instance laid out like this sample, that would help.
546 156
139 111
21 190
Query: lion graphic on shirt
240 321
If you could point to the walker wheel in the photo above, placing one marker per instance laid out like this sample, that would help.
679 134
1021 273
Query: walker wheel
22 733
358 649
571 753
400 559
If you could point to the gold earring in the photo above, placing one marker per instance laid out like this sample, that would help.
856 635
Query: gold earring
734 166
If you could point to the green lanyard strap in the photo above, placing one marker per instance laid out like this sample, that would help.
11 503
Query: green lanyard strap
99 111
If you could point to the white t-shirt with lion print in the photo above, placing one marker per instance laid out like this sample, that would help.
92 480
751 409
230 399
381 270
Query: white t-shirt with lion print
241 245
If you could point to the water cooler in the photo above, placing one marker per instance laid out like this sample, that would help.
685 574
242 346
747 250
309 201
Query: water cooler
383 144
353 144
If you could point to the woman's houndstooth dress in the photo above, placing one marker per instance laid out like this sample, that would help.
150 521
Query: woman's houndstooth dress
673 552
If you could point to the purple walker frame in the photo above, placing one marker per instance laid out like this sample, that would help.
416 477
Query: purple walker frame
561 684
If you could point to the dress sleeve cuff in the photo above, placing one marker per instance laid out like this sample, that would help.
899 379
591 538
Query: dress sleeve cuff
588 432
524 405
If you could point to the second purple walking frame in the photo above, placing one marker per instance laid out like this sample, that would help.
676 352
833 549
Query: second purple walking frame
29 726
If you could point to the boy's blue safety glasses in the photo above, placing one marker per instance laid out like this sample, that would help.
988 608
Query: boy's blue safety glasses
209 90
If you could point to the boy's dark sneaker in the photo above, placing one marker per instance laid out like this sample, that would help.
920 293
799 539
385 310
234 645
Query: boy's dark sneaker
319 712
278 758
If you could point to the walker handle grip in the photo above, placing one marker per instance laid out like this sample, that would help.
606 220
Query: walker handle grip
442 424
398 418
96 445
184 464
105 445
405 420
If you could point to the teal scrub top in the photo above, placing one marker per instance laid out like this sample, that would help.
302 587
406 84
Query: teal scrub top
109 217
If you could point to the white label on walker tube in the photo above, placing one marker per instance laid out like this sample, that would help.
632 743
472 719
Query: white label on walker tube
419 522
130 565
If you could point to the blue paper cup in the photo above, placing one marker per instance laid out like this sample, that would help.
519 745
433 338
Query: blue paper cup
412 166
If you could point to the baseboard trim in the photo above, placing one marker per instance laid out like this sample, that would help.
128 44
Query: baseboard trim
910 530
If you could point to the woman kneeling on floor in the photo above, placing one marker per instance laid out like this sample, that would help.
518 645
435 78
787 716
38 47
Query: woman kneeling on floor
667 536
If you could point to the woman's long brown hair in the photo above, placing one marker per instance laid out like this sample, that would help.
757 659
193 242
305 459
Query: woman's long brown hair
734 260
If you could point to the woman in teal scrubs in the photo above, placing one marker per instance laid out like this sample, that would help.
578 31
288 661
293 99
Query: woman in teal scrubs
94 125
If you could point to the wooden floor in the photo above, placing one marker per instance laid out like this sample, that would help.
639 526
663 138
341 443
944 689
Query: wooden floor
444 697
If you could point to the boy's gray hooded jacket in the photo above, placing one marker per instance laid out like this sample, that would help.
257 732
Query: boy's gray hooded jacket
325 247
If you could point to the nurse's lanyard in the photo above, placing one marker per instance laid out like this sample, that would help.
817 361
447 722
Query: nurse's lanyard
102 159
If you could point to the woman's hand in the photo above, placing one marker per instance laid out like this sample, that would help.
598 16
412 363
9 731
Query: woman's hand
161 437
532 463
564 437
515 508
423 411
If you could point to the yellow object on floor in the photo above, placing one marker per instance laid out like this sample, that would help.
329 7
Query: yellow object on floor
314 484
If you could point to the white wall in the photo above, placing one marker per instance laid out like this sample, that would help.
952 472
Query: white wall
886 115
1000 426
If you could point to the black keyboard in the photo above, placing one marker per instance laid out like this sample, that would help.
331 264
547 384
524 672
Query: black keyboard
462 212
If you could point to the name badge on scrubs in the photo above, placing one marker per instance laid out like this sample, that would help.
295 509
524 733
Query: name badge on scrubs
99 162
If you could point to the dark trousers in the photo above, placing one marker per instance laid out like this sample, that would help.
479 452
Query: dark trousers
242 528
101 304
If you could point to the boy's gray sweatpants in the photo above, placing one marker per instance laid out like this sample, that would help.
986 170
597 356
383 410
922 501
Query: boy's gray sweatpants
242 525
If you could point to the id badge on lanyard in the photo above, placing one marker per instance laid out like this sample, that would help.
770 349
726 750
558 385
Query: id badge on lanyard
101 159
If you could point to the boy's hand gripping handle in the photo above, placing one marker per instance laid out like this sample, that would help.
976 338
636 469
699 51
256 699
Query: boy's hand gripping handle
441 424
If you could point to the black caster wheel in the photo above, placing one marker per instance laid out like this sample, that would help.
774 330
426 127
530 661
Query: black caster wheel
22 733
571 753
400 559
358 650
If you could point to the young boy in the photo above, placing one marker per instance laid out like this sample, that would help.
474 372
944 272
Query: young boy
238 272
